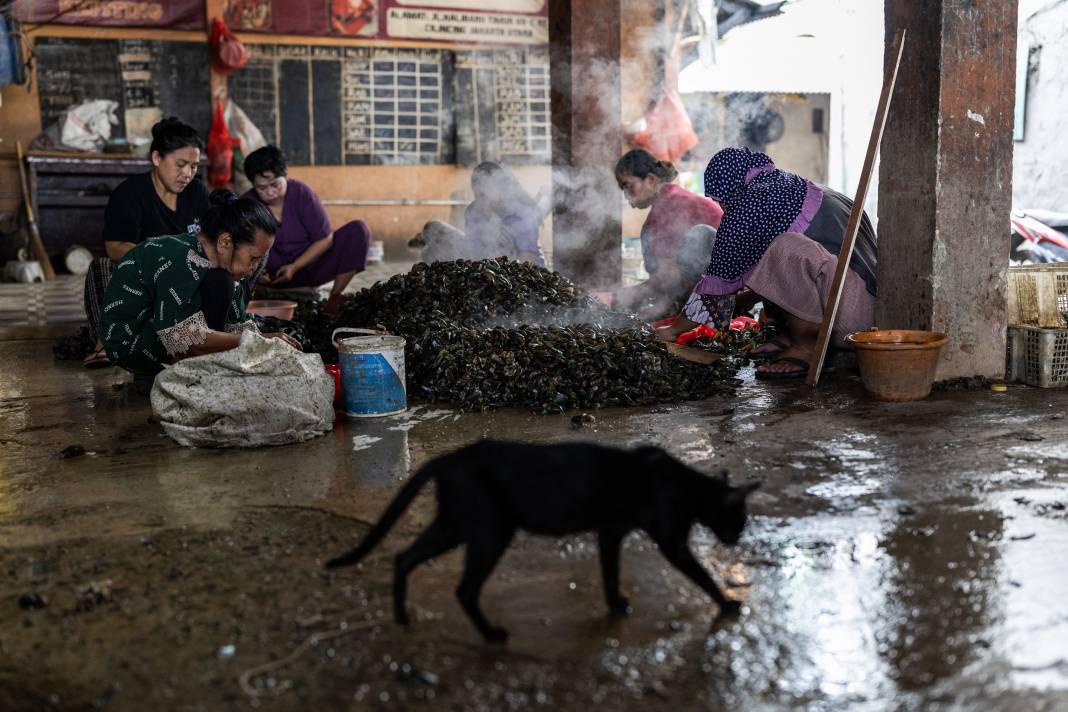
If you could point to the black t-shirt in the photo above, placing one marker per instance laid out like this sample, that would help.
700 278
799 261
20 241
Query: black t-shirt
828 228
135 213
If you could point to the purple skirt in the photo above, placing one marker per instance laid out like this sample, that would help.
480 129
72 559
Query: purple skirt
348 253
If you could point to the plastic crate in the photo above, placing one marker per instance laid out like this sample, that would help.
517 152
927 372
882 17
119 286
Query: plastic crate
1038 295
1037 356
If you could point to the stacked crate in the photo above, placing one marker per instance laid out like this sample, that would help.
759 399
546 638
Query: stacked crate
1037 350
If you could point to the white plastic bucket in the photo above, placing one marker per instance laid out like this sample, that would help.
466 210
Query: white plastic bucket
372 372
77 259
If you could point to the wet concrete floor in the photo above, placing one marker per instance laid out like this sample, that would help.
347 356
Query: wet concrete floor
899 556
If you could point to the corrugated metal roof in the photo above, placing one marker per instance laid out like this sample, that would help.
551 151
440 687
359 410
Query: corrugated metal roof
795 51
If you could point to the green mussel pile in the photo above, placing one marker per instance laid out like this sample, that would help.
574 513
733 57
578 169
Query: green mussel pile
490 333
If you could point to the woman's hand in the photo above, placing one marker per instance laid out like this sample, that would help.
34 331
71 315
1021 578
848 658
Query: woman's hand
284 274
286 338
673 331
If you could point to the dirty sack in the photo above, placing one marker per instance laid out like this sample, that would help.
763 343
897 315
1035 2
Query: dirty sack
263 392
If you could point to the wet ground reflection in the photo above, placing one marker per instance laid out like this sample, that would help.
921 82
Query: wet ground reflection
900 556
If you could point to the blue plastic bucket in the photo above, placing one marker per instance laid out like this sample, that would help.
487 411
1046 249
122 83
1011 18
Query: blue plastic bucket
372 373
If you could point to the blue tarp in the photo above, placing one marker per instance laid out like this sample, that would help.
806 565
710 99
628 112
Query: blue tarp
10 55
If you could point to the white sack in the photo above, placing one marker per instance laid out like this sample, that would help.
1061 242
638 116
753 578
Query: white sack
264 392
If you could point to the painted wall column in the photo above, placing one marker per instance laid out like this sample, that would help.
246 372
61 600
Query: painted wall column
587 127
945 178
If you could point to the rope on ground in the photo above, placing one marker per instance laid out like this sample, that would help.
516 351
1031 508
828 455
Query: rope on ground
311 641
245 680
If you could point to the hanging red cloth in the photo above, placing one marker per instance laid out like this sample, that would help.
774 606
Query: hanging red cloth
220 150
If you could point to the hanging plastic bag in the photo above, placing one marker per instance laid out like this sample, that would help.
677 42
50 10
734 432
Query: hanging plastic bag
227 52
242 128
220 150
264 392
668 133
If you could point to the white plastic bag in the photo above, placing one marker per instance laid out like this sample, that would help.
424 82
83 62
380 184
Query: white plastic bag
264 392
87 126
242 128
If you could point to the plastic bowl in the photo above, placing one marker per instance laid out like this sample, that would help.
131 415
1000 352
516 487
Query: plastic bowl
897 364
279 308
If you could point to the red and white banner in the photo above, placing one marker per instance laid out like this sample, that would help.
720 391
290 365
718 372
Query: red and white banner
500 22
172 14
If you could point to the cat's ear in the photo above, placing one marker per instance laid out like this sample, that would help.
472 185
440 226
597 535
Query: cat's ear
737 495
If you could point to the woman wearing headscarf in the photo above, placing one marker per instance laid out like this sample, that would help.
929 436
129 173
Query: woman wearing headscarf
676 237
780 237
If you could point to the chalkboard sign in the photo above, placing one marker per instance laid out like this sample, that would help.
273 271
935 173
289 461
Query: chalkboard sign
149 79
327 105
502 106
349 105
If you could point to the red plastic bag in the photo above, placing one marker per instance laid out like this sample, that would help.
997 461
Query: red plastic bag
668 133
227 52
703 331
741 323
220 150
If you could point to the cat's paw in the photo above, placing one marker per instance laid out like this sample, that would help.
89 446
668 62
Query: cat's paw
620 607
730 608
497 636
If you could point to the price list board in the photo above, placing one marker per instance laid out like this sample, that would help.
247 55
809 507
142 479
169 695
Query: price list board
327 105
394 106
360 105
502 106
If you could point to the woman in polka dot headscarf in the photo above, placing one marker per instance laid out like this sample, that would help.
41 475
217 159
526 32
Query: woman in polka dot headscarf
778 239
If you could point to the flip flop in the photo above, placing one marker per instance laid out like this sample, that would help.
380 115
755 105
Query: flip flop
769 355
97 359
790 375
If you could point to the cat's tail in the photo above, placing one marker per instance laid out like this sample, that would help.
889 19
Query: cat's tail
388 518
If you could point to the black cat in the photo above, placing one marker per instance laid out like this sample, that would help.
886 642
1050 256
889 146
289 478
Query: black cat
488 490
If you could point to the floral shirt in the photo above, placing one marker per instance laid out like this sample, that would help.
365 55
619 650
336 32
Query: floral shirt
152 304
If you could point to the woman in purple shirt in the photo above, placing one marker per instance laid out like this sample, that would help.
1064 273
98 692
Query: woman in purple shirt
307 251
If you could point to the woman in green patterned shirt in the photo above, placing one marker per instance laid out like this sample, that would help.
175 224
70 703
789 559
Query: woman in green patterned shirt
182 295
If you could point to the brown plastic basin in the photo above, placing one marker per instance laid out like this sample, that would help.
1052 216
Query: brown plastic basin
897 364
280 308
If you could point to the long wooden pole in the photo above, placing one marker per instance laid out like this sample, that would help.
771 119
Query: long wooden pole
36 245
850 236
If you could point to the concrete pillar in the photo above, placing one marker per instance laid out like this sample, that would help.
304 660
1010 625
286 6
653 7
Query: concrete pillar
584 39
945 178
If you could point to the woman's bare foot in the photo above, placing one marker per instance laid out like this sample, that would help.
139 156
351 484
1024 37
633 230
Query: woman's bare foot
333 305
772 347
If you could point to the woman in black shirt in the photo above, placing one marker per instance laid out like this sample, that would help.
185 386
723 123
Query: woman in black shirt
168 200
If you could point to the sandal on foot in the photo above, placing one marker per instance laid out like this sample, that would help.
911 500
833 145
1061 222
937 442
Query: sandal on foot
97 359
771 354
801 363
